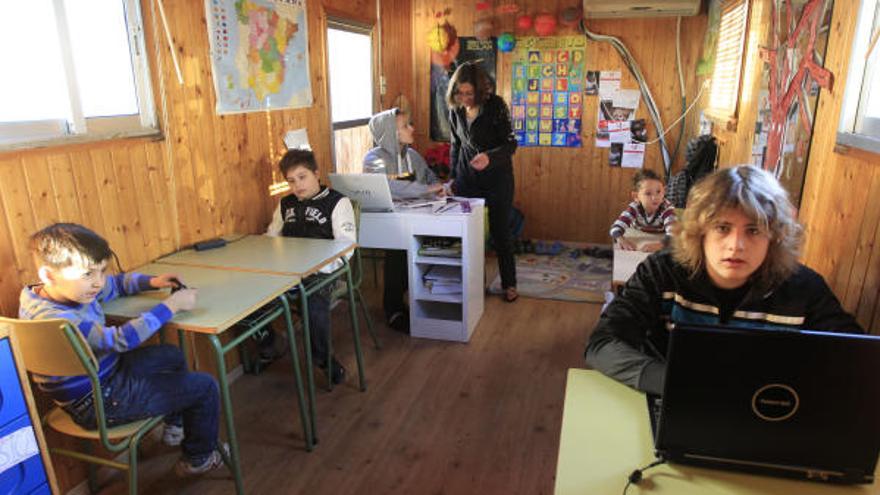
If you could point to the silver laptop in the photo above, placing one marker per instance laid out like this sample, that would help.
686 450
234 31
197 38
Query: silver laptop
371 191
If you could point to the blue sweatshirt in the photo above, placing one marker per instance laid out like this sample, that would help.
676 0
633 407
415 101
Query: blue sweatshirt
106 341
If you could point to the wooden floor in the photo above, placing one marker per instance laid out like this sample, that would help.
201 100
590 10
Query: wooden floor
437 417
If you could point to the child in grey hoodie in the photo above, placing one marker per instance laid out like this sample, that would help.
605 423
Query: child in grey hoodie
409 177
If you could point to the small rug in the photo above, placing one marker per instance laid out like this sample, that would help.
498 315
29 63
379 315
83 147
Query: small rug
569 274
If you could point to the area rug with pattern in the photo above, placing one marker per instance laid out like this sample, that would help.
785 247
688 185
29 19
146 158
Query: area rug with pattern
561 270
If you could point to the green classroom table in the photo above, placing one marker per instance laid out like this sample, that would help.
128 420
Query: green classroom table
606 435
224 298
291 256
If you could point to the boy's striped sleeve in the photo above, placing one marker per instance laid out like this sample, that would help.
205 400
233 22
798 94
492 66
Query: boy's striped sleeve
124 284
623 222
103 338
669 218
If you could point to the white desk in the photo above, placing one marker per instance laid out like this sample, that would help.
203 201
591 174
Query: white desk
625 262
606 434
435 316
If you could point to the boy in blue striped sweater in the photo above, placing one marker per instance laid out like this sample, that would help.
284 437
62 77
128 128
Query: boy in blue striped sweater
137 381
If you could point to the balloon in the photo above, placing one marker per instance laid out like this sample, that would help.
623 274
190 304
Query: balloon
506 42
545 24
524 22
570 17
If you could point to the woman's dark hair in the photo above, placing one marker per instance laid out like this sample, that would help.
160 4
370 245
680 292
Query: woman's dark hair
473 74
298 158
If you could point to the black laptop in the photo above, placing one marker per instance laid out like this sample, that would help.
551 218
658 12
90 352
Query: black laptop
799 404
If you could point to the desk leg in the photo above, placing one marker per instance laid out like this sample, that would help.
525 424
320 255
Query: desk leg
310 374
227 413
181 339
354 326
291 338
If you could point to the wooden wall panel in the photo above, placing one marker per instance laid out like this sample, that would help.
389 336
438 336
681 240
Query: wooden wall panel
841 207
397 52
351 145
572 194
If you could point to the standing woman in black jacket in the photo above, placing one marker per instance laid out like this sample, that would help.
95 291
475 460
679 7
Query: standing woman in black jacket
482 146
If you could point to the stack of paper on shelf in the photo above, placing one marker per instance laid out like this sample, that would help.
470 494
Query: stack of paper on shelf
440 246
443 279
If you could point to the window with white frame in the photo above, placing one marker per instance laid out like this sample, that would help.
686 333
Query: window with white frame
860 113
73 71
350 67
724 93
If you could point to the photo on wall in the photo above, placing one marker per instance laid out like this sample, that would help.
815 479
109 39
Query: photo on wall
468 49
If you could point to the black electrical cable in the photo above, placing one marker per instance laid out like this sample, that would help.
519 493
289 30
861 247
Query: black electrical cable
636 476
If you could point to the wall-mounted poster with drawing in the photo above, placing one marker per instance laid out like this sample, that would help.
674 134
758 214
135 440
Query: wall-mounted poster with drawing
469 48
789 95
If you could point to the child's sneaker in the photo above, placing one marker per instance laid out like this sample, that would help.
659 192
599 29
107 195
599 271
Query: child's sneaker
214 460
173 435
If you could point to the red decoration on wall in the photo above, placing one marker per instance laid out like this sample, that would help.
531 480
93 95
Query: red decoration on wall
524 22
785 83
545 24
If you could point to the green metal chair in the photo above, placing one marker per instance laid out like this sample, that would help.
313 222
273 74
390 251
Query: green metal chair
55 348
340 293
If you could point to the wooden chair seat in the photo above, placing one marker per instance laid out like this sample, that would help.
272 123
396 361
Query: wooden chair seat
60 421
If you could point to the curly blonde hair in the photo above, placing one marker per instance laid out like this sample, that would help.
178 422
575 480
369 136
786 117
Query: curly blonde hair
759 196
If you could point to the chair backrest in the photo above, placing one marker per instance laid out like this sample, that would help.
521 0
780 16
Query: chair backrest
52 347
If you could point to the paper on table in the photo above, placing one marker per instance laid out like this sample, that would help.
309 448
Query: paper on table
443 273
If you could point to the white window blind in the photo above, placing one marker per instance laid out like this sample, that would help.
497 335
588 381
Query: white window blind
724 94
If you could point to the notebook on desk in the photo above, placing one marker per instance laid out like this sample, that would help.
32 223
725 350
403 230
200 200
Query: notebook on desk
371 191
790 403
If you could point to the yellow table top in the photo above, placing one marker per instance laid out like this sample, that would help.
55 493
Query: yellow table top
264 254
606 435
225 296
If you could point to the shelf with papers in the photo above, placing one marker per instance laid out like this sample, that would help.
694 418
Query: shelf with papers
437 260
446 275
447 298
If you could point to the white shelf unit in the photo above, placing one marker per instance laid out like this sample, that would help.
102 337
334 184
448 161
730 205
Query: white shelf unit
447 316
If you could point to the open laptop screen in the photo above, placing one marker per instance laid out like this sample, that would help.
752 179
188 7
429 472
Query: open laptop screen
798 403
371 191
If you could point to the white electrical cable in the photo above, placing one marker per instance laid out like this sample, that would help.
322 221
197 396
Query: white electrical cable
633 67
170 42
697 99
678 55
